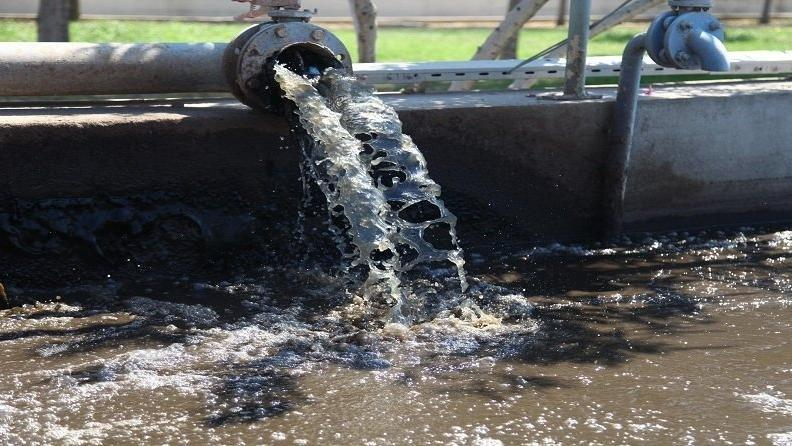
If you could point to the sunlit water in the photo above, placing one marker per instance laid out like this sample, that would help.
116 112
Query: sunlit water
671 339
376 183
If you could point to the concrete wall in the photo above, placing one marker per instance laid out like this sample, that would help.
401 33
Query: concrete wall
340 8
509 164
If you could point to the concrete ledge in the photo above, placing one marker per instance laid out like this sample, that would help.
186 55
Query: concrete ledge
511 166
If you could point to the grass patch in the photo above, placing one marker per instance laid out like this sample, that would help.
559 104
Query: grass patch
395 44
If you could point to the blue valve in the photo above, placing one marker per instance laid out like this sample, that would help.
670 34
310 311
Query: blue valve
688 37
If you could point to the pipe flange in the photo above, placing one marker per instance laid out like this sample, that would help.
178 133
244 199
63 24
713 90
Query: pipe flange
306 48
231 59
678 34
655 38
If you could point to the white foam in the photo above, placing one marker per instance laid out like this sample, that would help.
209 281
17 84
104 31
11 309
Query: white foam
781 439
771 403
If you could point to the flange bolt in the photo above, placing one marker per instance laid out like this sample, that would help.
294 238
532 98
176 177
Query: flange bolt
318 35
281 32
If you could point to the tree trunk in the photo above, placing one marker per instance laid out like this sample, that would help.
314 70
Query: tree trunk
74 12
364 13
622 14
53 20
562 12
496 42
510 49
767 12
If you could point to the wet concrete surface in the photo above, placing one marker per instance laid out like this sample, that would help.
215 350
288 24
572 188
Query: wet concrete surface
664 338
534 164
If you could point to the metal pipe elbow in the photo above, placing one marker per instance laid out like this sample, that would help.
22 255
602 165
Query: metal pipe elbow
688 41
710 51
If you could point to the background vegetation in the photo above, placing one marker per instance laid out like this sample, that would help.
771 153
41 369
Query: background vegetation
394 44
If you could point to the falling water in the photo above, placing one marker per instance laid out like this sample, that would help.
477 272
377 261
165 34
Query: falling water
378 190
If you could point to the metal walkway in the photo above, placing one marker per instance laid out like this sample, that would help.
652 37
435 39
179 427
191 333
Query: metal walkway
771 63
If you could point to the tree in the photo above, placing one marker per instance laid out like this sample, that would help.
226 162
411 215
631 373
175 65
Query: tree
495 44
53 19
364 13
767 12
510 49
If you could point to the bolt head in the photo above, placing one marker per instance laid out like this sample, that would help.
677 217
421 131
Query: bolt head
715 26
685 25
281 32
682 57
318 35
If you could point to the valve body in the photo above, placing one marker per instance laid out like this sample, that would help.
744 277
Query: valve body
688 37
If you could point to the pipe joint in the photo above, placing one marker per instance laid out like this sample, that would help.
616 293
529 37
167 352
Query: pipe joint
249 61
688 39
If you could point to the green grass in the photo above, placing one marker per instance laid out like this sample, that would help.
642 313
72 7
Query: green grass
395 44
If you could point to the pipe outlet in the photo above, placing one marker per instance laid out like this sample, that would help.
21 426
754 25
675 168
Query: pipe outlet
249 61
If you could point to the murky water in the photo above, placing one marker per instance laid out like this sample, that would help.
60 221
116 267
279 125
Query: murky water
675 339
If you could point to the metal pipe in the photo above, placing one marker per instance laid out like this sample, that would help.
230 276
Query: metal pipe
62 69
621 137
712 53
579 22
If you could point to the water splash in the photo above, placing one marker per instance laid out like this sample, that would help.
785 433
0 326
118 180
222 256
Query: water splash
379 193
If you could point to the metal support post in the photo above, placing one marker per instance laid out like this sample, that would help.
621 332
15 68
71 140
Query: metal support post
577 50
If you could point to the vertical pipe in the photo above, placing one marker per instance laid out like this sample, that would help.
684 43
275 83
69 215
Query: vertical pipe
579 22
621 137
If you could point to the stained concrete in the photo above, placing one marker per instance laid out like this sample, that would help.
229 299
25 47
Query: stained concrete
510 164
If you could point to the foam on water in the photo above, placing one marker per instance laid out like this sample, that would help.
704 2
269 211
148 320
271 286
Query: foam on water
375 180
603 366
769 403
781 439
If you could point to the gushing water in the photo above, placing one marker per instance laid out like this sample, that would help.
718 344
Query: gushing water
378 190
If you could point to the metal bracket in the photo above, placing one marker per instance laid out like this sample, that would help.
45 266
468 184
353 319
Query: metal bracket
690 4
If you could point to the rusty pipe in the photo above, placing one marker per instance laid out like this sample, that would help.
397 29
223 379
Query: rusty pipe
64 69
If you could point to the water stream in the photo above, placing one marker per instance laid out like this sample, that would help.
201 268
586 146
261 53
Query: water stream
376 182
